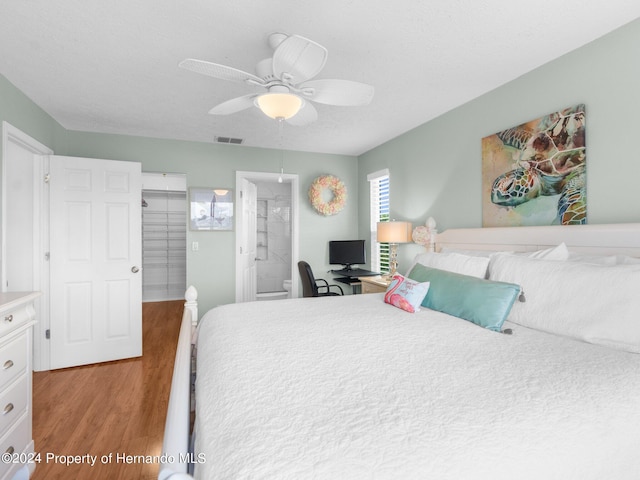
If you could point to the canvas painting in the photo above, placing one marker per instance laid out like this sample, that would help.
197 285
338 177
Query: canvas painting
535 173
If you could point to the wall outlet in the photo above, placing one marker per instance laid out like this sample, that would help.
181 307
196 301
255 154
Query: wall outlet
194 246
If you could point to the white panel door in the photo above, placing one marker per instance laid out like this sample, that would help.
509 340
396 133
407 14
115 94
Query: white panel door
95 252
248 250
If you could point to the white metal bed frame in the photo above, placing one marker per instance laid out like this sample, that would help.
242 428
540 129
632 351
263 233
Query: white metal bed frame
175 458
611 239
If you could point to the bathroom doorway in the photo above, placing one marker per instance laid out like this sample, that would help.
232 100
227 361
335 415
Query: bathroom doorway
273 268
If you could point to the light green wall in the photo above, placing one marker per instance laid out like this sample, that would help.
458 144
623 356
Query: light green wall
212 268
435 169
25 115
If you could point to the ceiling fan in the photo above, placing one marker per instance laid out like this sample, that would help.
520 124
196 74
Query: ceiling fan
286 78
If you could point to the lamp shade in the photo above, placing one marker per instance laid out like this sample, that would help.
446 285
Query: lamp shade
394 232
279 105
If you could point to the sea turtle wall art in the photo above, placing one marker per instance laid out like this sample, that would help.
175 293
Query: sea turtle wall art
535 173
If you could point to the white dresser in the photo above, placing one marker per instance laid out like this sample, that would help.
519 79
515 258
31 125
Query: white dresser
17 316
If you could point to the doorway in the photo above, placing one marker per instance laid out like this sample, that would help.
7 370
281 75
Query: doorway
24 241
164 236
29 251
274 265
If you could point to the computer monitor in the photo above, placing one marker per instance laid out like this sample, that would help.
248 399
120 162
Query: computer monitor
347 253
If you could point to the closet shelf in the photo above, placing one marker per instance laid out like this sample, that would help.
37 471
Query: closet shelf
164 245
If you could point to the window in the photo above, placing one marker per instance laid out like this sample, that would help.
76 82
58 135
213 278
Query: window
379 202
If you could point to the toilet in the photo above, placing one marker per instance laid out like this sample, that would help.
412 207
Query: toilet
285 293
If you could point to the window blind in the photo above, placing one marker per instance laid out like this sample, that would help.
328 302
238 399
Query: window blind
379 205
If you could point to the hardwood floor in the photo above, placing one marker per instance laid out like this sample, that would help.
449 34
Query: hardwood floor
108 410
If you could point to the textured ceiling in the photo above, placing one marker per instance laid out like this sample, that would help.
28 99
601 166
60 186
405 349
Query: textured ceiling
111 66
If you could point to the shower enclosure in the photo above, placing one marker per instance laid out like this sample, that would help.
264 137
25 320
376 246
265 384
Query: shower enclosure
273 239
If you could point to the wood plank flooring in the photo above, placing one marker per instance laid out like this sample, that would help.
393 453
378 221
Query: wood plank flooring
113 408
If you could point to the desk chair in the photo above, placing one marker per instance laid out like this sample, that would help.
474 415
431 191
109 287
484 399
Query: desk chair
310 287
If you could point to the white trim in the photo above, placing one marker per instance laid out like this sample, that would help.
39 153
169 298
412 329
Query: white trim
11 133
293 179
377 174
375 180
162 181
41 235
175 442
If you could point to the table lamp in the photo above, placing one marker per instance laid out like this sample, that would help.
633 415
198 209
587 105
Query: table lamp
394 233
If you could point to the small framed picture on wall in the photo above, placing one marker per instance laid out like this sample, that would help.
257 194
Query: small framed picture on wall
211 209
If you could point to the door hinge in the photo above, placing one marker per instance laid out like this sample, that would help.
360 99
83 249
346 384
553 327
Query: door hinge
240 249
47 334
241 193
47 256
47 178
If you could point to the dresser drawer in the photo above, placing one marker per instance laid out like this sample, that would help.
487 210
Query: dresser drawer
13 359
374 284
15 442
13 403
369 288
12 319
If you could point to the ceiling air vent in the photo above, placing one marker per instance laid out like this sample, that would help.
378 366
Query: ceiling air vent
233 141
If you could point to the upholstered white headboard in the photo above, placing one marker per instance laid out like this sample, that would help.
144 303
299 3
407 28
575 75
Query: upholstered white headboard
606 239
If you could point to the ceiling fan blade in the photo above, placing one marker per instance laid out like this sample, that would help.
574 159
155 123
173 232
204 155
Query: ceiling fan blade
219 71
305 116
234 105
297 59
338 92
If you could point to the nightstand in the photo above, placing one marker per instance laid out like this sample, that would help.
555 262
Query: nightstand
375 284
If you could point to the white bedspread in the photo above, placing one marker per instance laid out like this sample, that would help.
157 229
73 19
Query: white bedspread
352 388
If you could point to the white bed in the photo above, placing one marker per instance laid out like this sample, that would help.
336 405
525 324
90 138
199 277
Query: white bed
352 387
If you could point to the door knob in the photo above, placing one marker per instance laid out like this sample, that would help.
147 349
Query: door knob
135 269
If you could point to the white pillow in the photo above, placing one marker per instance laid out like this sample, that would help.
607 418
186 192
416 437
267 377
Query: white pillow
559 252
626 260
453 262
593 259
604 259
594 303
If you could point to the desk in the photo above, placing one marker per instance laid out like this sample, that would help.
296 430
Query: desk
353 282
352 277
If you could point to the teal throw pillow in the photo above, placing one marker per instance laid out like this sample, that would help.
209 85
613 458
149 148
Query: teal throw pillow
483 302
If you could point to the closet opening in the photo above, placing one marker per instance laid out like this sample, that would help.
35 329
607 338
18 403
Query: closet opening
164 237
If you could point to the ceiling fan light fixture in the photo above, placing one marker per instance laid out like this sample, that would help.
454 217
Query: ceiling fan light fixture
279 105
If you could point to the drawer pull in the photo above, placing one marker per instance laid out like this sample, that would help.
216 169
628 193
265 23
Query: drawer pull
8 408
7 365
10 450
8 318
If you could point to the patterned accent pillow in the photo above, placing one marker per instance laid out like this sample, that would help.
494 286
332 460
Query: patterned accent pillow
405 293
